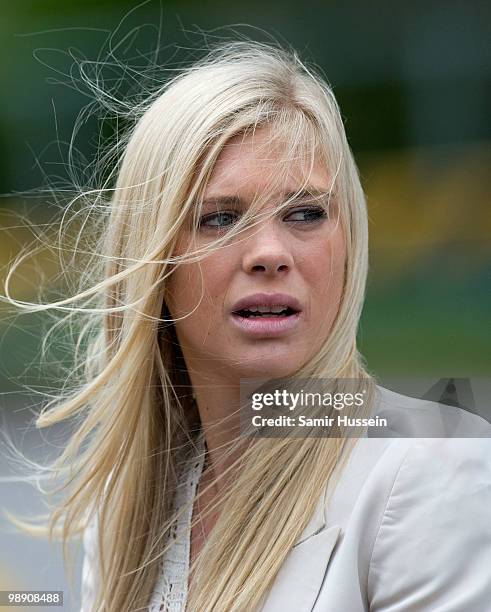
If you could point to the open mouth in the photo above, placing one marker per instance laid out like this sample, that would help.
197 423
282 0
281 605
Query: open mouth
276 313
266 321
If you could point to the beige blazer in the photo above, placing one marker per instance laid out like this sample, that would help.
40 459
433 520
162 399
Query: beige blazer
407 527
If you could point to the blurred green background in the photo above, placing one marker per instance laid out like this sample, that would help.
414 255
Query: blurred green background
412 80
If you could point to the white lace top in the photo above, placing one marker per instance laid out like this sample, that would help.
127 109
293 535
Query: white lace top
171 588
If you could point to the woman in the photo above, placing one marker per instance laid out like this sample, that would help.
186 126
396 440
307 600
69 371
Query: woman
237 193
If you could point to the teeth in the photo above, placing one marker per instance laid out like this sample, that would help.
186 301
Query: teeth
260 311
275 308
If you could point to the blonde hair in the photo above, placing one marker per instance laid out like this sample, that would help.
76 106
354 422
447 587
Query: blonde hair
132 408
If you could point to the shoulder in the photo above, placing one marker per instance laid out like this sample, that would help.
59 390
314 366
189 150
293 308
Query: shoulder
435 471
415 526
386 476
436 524
413 417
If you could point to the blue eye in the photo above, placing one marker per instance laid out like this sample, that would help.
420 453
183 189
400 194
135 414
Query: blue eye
310 214
218 220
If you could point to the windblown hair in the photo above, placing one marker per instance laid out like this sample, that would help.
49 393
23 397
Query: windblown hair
134 404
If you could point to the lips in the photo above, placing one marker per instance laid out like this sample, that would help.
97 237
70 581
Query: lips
265 315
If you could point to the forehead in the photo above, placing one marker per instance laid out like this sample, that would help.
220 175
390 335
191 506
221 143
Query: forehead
254 162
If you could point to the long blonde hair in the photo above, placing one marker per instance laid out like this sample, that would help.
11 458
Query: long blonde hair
133 406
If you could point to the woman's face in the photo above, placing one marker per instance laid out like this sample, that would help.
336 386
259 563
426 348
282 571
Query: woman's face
299 253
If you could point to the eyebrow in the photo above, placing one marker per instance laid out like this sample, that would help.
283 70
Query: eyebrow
234 200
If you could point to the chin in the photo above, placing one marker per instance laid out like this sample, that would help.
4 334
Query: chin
272 366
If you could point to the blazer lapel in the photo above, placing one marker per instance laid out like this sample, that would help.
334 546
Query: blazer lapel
297 584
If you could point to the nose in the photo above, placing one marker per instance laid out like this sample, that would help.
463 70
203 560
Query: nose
267 250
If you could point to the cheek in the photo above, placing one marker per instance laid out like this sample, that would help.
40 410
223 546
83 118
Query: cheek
215 277
329 275
184 291
198 287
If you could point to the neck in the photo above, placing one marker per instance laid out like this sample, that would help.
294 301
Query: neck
218 404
